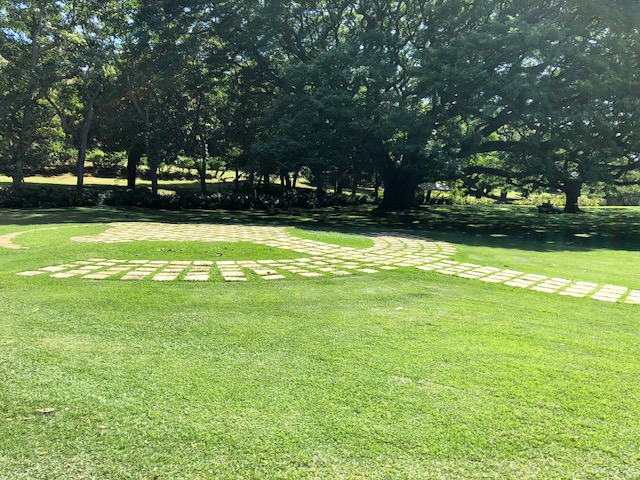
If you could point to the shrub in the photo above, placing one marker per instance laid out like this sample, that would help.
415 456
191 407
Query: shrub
470 200
47 197
558 200
107 164
624 196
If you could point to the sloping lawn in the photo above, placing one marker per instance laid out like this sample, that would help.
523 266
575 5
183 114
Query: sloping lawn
401 374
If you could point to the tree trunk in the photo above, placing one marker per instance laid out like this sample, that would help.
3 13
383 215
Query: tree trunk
572 193
152 163
252 184
83 131
203 176
134 154
18 167
23 143
377 181
427 198
399 190
153 167
28 120
82 157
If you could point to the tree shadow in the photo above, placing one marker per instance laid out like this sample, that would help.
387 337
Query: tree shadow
491 226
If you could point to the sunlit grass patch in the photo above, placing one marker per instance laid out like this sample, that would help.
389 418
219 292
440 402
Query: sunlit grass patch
335 238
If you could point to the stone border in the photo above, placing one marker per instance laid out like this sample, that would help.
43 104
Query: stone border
6 240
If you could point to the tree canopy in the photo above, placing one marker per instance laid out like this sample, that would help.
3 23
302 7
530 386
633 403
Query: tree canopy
410 91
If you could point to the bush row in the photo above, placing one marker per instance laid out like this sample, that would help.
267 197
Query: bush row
47 197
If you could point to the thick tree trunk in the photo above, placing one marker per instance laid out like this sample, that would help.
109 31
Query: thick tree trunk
377 181
203 175
133 160
23 144
82 157
18 168
399 190
28 119
83 132
572 190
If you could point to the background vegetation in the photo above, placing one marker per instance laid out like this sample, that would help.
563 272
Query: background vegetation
500 99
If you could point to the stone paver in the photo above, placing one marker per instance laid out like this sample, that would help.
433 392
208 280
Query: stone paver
634 297
31 273
389 252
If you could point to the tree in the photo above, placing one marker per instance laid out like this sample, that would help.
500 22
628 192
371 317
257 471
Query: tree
577 119
424 85
29 35
85 60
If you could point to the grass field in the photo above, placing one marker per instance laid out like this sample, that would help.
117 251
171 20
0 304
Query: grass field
401 374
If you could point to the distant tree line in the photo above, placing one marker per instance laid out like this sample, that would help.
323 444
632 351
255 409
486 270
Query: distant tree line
498 94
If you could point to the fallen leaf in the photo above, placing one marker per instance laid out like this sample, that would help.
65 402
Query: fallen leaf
45 410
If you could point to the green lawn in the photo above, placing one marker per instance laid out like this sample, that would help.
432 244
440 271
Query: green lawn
402 374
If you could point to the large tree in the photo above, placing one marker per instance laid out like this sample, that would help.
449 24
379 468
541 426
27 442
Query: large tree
84 59
31 31
576 119
423 84
150 64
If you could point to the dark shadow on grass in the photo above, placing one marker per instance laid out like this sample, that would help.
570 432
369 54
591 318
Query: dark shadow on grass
492 226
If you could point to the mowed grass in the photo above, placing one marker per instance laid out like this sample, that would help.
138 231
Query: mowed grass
403 374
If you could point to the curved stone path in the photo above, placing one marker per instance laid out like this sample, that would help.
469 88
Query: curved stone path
319 259
6 240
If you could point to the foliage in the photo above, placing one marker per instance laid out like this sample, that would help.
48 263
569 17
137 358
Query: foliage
626 195
107 164
60 197
47 197
510 95
559 201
